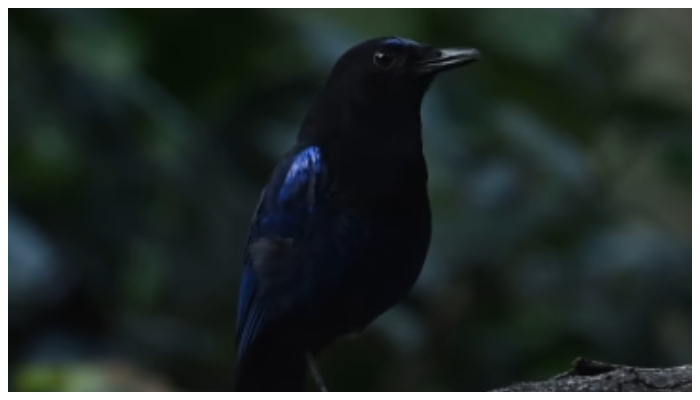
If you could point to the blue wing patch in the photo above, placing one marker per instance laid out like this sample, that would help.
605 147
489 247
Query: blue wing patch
302 173
282 216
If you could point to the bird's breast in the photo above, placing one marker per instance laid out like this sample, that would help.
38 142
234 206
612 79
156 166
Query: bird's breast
381 185
380 258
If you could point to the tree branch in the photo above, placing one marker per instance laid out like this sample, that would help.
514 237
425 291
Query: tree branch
587 375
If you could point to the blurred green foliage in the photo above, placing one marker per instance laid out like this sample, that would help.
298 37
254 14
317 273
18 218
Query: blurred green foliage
139 141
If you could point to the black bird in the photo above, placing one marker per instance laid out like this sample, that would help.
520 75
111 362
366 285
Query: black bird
342 229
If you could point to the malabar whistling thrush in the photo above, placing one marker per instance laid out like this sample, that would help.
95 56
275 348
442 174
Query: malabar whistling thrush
342 229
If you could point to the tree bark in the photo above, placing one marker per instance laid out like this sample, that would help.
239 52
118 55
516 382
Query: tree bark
594 376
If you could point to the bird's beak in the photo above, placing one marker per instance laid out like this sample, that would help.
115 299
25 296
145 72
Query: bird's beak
439 60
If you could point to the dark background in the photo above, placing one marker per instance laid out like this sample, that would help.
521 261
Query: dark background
560 178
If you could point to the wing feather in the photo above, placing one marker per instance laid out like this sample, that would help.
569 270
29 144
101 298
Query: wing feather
284 211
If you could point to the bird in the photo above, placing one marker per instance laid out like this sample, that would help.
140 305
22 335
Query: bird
342 229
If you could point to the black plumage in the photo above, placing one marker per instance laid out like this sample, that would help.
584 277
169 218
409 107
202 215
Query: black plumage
342 229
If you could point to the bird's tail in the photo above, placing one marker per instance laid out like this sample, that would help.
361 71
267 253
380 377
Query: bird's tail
271 370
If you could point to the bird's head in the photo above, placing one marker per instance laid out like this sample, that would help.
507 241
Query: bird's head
395 69
376 89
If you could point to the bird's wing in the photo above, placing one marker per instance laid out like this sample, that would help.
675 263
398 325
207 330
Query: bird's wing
279 233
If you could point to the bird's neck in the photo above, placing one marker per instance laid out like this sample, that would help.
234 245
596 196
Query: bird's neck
367 124
374 151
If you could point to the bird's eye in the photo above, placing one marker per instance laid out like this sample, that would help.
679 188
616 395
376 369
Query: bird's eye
384 59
